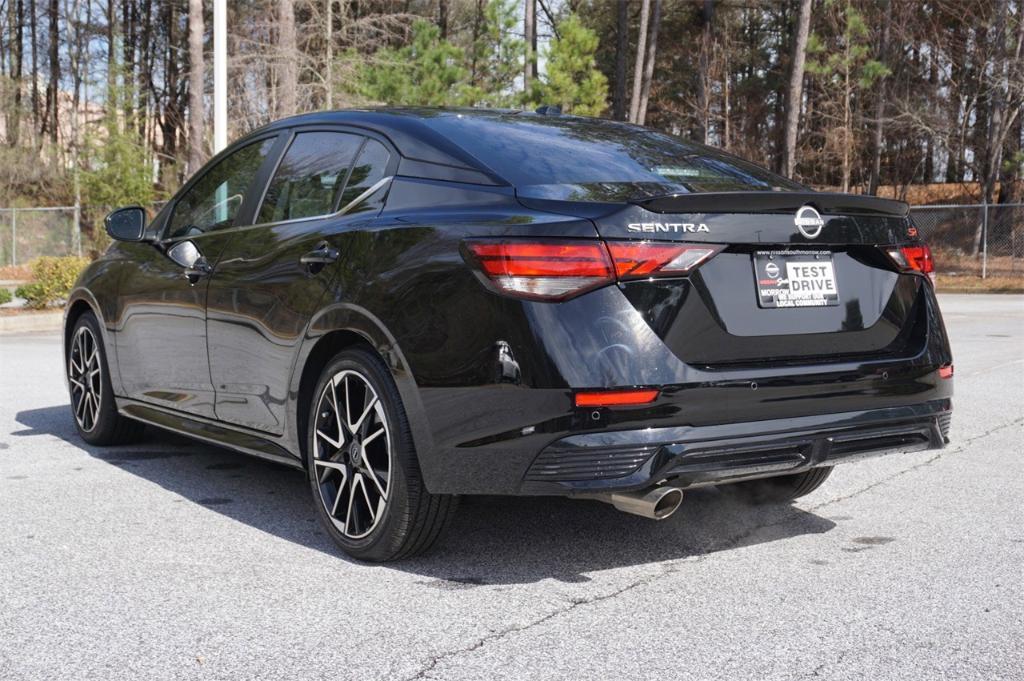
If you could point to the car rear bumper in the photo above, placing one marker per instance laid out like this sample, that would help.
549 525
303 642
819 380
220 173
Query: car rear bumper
704 455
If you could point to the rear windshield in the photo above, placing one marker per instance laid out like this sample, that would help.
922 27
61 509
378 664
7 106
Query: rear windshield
554 155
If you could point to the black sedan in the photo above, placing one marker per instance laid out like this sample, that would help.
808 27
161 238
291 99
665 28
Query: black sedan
414 304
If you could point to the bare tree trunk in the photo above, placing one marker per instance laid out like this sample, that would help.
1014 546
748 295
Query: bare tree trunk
289 81
704 68
53 89
876 148
34 49
652 53
847 119
442 18
144 72
17 57
929 158
530 35
638 68
621 57
111 55
1009 73
129 20
474 55
196 78
727 105
329 56
794 96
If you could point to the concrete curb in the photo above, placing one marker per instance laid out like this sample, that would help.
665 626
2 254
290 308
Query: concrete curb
36 322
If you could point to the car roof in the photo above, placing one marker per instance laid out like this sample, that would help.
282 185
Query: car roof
408 128
426 135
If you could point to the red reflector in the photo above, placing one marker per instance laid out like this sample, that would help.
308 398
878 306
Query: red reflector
615 398
946 371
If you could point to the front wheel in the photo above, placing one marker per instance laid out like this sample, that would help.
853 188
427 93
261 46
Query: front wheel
781 489
366 481
92 397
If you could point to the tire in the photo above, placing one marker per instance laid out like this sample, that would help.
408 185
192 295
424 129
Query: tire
92 396
781 489
363 471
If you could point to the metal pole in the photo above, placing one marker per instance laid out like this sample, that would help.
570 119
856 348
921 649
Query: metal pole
14 236
329 90
220 75
76 238
984 242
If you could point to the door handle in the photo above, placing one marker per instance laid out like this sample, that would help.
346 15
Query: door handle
199 269
317 258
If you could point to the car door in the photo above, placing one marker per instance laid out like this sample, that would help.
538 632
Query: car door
161 331
272 275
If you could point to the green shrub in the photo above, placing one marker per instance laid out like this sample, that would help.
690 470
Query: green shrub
52 279
5 296
30 292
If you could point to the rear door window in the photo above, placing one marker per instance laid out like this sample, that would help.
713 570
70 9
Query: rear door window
370 168
311 176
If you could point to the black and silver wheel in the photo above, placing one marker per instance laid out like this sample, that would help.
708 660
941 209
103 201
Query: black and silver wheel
363 469
352 454
85 378
92 398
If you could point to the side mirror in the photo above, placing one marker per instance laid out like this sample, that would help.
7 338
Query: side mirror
126 224
184 253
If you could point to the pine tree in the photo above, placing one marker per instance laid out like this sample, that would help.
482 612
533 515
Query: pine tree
427 72
572 79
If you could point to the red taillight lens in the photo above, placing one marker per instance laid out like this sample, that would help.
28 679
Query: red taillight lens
634 259
543 269
555 270
615 398
917 258
946 371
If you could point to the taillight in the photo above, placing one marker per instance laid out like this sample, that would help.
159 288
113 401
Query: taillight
547 270
642 259
556 270
917 258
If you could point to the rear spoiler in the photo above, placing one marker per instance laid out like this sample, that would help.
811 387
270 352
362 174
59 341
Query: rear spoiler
774 202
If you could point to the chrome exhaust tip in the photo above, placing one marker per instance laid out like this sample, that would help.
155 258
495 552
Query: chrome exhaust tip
656 503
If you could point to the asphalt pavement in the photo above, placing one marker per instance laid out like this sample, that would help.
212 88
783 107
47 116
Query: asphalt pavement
172 559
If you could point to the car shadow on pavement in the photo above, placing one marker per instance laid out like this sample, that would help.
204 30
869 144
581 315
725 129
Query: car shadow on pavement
492 540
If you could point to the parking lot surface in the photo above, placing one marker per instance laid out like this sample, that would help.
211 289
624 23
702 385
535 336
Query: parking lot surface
173 559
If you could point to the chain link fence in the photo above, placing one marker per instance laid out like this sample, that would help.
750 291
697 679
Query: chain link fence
983 240
27 233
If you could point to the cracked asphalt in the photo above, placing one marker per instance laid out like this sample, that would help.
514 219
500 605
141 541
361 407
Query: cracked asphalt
171 559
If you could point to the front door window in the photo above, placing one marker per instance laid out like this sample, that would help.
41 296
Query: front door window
213 202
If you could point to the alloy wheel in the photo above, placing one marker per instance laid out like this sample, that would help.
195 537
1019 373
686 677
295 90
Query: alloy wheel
85 375
352 454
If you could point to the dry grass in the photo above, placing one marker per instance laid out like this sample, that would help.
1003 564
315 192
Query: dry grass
15 273
948 283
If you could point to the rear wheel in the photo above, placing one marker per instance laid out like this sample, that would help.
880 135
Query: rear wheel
92 398
779 489
362 465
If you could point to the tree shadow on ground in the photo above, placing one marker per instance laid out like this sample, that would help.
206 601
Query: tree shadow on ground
492 540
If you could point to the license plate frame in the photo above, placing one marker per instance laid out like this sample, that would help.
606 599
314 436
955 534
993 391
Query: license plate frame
795 279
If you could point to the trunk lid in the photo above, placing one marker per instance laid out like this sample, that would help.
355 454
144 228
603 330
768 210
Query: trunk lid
721 314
